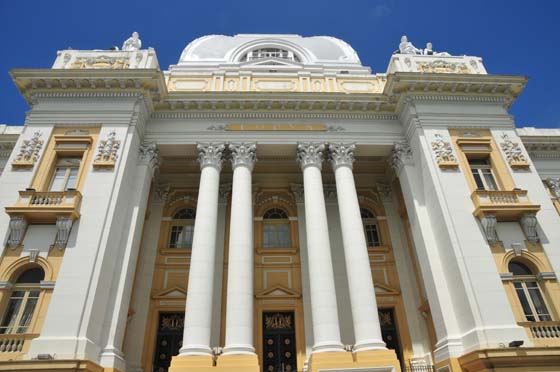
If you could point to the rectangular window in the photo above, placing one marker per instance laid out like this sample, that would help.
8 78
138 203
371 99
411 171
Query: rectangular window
481 171
372 236
65 175
276 235
181 236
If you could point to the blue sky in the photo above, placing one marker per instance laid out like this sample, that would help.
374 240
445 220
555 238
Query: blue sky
513 37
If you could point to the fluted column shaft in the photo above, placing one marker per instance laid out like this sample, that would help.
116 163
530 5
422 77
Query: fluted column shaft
326 330
198 314
240 292
362 293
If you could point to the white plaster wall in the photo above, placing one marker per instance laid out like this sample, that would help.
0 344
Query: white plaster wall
76 314
219 273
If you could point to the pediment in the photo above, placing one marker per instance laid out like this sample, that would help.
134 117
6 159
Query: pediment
174 292
381 290
278 292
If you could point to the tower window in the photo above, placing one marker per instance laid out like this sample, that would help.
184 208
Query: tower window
264 53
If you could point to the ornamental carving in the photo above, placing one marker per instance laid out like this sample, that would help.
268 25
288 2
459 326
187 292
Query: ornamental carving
29 151
149 153
441 66
342 154
17 224
444 153
107 149
278 321
514 154
172 322
489 222
400 155
63 228
244 154
529 225
210 154
100 62
310 153
554 186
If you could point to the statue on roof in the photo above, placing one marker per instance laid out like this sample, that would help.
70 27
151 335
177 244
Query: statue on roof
133 43
406 47
429 51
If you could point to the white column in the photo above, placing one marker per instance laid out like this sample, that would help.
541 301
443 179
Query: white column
198 312
360 282
326 330
239 308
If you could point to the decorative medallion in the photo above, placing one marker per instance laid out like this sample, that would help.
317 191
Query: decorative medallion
29 151
444 153
441 66
107 149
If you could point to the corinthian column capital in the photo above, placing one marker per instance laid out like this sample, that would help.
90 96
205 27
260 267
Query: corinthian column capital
243 154
342 154
310 153
210 154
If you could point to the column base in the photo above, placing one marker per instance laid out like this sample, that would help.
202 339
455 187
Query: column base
192 363
225 363
382 360
239 363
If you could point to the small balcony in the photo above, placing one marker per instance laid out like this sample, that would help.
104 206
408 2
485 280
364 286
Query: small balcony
505 205
13 345
543 333
46 207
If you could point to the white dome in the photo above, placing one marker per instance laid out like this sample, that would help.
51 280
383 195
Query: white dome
213 50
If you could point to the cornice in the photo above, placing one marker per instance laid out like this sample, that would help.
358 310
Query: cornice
501 89
86 83
289 115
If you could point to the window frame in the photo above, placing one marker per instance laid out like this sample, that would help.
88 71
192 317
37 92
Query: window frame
370 221
182 222
275 223
67 174
522 280
27 289
480 169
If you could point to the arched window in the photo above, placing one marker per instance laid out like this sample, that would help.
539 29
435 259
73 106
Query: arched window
276 229
264 53
23 300
182 229
371 229
529 293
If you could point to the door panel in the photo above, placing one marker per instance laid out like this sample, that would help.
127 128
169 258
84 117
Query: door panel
169 339
279 342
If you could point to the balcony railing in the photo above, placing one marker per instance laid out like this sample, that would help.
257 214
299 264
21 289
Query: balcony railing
505 205
45 207
420 368
14 343
543 330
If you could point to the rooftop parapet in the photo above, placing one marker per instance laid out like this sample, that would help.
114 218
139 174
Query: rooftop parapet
129 57
408 58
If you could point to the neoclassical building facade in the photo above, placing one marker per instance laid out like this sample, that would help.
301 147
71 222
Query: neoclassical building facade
270 204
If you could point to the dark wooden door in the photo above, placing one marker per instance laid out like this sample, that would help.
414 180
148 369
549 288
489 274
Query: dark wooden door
169 339
279 342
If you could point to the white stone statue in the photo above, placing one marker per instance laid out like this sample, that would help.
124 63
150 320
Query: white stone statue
406 47
133 43
429 51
